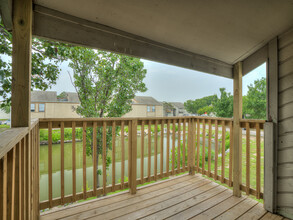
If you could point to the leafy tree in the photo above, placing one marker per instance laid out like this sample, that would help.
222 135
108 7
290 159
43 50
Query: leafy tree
206 109
46 55
223 107
192 106
105 83
254 105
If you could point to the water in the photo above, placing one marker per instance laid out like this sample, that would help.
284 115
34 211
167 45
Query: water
56 165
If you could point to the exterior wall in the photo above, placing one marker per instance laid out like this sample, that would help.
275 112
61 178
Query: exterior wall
56 110
141 111
285 146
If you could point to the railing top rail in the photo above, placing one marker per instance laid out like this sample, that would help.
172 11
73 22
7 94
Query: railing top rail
10 137
253 121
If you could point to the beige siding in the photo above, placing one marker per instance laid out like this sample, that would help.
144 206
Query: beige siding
285 147
141 111
56 110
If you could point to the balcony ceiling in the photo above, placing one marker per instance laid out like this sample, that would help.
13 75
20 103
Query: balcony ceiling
226 30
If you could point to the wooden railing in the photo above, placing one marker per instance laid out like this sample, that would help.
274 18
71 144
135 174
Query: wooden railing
19 173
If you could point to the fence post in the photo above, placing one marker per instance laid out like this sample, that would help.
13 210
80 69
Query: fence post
133 156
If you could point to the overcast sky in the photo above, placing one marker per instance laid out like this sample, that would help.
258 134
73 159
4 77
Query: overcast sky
174 84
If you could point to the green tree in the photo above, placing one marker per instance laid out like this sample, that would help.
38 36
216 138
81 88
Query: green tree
206 109
192 106
223 106
46 55
105 83
254 105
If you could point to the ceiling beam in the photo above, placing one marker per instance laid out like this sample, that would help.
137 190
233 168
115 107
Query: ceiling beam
58 26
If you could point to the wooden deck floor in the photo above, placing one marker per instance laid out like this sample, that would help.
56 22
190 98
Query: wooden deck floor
184 197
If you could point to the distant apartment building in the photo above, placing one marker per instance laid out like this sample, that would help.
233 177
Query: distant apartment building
145 106
45 104
174 109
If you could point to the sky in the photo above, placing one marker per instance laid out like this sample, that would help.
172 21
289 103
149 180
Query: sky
173 84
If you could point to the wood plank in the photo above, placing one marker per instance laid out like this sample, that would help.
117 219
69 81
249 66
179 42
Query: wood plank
193 147
18 176
223 152
10 183
149 150
73 163
198 144
142 153
23 171
219 208
238 210
133 156
4 188
113 154
162 149
237 137
255 213
95 182
184 145
231 155
173 148
258 165
216 149
209 148
21 63
191 207
122 154
168 147
64 27
25 175
62 162
50 161
178 145
129 152
109 203
156 150
84 159
203 146
247 158
147 207
270 216
104 157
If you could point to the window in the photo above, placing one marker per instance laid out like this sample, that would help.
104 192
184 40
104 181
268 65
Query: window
148 108
33 107
41 107
153 108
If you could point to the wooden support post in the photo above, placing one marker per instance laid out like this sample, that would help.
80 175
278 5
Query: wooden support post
237 134
133 156
21 63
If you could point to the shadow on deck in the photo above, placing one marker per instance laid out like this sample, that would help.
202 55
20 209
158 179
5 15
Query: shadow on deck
184 197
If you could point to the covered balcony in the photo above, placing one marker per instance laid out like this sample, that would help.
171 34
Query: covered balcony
170 167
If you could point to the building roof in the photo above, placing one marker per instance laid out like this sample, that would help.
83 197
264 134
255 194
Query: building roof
145 100
43 96
72 97
177 104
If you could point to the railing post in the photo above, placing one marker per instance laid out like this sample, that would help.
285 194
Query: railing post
190 146
133 156
237 133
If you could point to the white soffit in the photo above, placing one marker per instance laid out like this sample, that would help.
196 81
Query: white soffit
227 30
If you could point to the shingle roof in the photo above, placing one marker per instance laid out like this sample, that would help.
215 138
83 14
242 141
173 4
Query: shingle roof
178 104
145 100
72 97
44 96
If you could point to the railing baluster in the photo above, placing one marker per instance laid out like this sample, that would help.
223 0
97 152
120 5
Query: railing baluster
104 156
23 172
84 124
216 150
133 156
142 153
129 153
223 151
49 164
203 146
149 150
198 145
156 150
10 182
113 154
178 146
231 154
95 158
18 176
168 148
73 163
162 149
4 186
122 155
247 159
62 162
173 148
184 145
26 176
257 161
209 148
